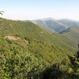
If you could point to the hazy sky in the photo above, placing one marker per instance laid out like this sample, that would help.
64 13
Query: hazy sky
34 9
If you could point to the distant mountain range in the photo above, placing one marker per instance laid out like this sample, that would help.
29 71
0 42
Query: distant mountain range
72 32
52 25
68 28
57 25
69 23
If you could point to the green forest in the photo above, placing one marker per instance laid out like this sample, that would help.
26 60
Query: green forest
28 51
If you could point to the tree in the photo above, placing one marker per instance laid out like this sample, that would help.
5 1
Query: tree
75 65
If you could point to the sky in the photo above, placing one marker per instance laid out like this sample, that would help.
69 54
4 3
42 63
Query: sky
36 9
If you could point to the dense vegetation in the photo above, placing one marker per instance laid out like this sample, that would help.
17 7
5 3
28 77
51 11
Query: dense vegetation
26 50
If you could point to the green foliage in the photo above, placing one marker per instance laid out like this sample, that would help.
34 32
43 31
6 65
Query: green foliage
28 50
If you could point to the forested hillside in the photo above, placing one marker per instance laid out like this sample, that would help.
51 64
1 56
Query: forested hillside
26 50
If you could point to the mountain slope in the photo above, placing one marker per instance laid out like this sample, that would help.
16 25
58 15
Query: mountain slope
52 25
68 28
26 49
69 23
73 30
73 35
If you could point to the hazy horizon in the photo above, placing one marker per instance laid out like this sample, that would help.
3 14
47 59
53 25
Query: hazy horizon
34 9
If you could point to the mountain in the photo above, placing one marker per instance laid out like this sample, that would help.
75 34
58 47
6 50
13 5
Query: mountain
73 32
26 49
69 23
68 28
52 25
58 26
